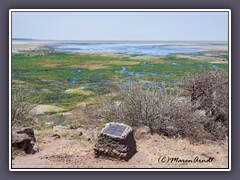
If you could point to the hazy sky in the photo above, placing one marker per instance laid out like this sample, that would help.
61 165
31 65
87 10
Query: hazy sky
209 26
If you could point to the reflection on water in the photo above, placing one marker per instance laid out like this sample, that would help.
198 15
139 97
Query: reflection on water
136 74
136 48
122 70
62 91
73 80
215 66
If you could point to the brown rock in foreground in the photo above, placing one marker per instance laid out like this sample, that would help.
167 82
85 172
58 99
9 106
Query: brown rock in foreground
24 139
116 141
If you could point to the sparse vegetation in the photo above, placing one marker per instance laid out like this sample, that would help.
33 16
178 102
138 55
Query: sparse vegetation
209 92
23 104
165 112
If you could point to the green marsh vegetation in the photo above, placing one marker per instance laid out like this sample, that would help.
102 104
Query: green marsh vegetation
66 80
156 84
56 74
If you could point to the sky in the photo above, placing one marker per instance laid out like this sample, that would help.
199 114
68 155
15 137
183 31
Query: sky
139 26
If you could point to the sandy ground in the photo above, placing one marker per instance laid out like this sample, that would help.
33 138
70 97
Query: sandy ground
31 45
210 48
152 150
28 45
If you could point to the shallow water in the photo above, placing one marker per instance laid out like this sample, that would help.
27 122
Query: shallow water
73 81
62 91
215 66
139 48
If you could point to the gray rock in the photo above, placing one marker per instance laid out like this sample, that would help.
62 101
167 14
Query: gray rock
51 138
85 134
27 130
54 136
59 128
24 142
142 131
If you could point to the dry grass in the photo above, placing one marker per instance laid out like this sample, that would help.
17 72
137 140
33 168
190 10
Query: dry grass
79 90
41 109
106 65
52 65
201 58
89 102
18 81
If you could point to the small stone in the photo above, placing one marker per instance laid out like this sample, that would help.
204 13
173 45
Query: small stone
123 155
101 149
142 131
116 152
55 136
59 128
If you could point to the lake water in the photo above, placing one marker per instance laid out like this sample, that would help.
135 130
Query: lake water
148 49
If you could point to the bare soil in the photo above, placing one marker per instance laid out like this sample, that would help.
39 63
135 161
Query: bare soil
72 152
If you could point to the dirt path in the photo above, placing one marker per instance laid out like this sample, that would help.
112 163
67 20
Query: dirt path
39 159
67 153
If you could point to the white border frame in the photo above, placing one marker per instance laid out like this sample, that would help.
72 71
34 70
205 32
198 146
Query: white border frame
117 10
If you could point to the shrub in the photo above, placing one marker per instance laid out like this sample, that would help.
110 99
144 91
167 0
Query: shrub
23 103
209 92
165 113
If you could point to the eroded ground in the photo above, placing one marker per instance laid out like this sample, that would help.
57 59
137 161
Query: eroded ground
68 152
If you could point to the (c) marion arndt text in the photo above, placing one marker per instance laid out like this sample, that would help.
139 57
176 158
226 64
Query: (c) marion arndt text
197 159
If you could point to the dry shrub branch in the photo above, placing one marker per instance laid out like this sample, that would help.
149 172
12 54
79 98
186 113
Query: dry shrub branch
23 103
209 92
169 113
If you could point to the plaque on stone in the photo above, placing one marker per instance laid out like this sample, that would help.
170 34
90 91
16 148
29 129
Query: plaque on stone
115 141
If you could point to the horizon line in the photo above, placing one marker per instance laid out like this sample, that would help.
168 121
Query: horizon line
16 38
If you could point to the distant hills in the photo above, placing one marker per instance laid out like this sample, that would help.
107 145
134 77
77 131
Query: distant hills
22 39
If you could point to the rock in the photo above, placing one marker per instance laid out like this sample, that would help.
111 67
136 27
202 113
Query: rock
54 136
142 131
49 123
51 138
85 134
66 113
115 141
88 137
27 130
59 128
117 153
24 139
24 142
81 130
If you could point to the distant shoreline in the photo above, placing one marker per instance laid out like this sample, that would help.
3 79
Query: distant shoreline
28 45
130 41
